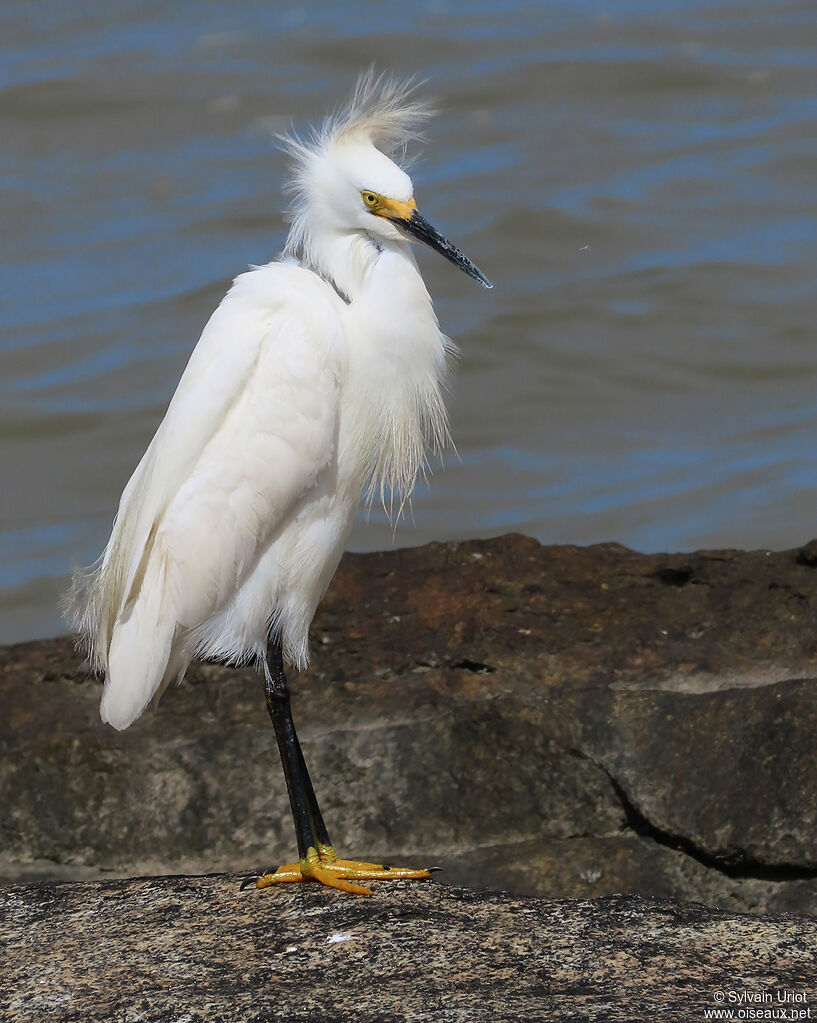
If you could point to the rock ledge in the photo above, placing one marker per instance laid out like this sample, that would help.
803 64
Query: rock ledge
554 721
197 950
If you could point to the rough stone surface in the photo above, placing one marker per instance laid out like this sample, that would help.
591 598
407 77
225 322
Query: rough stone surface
196 950
550 720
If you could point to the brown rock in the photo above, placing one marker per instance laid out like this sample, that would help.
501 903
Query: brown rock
554 720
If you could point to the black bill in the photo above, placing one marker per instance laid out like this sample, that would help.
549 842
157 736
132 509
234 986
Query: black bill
418 227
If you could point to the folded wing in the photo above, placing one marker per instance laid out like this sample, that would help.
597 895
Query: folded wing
249 431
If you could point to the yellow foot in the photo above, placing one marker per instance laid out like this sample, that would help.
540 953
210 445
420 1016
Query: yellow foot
323 865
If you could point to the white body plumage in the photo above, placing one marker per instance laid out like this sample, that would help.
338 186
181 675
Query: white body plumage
316 377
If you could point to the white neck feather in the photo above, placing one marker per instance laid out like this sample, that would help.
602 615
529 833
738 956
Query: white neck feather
392 407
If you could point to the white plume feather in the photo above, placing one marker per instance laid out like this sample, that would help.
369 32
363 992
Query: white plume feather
383 111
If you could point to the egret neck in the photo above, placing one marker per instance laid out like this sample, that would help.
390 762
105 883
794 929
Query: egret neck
396 366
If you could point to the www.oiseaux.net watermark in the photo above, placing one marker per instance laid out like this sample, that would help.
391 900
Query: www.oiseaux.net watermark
744 1004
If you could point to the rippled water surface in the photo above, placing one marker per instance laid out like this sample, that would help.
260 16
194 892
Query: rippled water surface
637 179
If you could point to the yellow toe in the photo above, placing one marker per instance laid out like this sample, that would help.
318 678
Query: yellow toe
289 872
324 866
332 879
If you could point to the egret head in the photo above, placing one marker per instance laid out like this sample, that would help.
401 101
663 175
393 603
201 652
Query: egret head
347 180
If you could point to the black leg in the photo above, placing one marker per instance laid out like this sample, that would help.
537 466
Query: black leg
309 827
318 859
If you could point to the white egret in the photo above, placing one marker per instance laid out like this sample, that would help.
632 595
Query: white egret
318 376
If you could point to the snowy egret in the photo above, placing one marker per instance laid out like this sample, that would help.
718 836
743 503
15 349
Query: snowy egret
318 376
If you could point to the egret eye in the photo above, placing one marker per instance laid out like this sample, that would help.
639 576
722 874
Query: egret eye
371 199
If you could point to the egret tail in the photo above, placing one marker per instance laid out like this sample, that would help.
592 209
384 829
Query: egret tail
141 645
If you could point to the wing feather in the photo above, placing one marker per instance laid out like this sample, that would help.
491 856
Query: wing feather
248 432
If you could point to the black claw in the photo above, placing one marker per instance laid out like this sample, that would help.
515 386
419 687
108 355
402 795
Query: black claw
433 870
255 877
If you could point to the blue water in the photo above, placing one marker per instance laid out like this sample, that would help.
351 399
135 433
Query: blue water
637 179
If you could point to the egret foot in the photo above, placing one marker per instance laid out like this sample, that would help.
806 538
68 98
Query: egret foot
324 866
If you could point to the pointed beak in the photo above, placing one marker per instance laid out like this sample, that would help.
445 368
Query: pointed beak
418 227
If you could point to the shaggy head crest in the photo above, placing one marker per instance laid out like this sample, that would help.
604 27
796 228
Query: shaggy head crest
382 113
382 110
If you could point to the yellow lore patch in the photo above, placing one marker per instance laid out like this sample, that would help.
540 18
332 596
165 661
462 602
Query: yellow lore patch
392 209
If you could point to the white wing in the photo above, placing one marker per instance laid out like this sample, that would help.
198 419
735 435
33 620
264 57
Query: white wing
248 432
